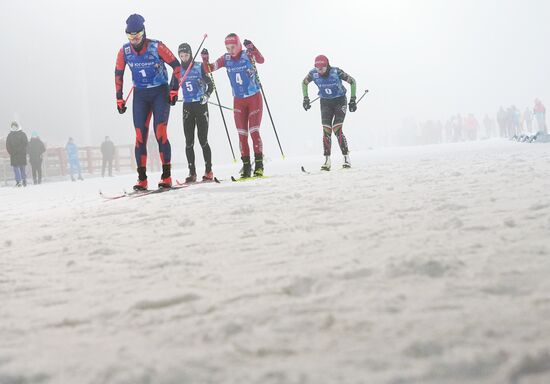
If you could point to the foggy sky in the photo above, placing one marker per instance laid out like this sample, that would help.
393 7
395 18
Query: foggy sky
422 59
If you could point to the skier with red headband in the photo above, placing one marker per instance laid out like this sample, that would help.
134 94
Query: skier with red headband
152 96
332 94
247 104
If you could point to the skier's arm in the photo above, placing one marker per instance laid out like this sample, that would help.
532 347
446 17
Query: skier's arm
347 78
308 79
119 73
220 63
256 55
253 52
168 57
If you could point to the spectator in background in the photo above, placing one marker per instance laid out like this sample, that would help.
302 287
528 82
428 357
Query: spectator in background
540 115
472 126
72 157
16 145
501 121
36 150
528 119
107 153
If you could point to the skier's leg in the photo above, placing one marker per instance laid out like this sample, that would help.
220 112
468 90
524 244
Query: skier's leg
161 113
142 111
110 166
202 133
240 114
189 121
327 116
339 117
103 165
254 122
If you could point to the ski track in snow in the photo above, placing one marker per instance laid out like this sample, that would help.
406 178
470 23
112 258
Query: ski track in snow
418 265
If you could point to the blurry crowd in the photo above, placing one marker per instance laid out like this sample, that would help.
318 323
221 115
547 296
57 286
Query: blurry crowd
23 152
522 125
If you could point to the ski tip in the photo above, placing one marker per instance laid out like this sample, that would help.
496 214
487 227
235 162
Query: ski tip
216 180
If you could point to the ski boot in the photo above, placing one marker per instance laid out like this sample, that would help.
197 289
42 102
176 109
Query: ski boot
246 170
192 178
141 184
18 184
208 176
347 162
24 182
258 165
326 166
165 178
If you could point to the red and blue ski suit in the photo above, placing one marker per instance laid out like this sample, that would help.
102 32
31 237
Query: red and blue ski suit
151 93
247 102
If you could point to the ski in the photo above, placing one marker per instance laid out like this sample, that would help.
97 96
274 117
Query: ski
240 179
112 197
156 191
215 180
139 193
344 166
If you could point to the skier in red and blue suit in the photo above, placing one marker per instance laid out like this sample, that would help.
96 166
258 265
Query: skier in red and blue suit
247 104
152 94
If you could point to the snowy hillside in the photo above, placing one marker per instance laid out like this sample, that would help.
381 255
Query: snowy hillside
418 265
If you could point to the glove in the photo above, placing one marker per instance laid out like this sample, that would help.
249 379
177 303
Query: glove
205 56
306 104
352 105
121 106
204 99
248 45
173 97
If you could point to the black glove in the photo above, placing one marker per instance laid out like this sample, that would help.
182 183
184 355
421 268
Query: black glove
121 106
352 104
248 45
306 104
205 56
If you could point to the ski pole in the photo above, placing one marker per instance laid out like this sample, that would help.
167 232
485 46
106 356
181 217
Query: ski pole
221 106
361 98
266 104
223 116
129 93
314 100
212 103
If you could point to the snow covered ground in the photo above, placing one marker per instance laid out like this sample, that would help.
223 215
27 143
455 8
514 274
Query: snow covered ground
419 265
